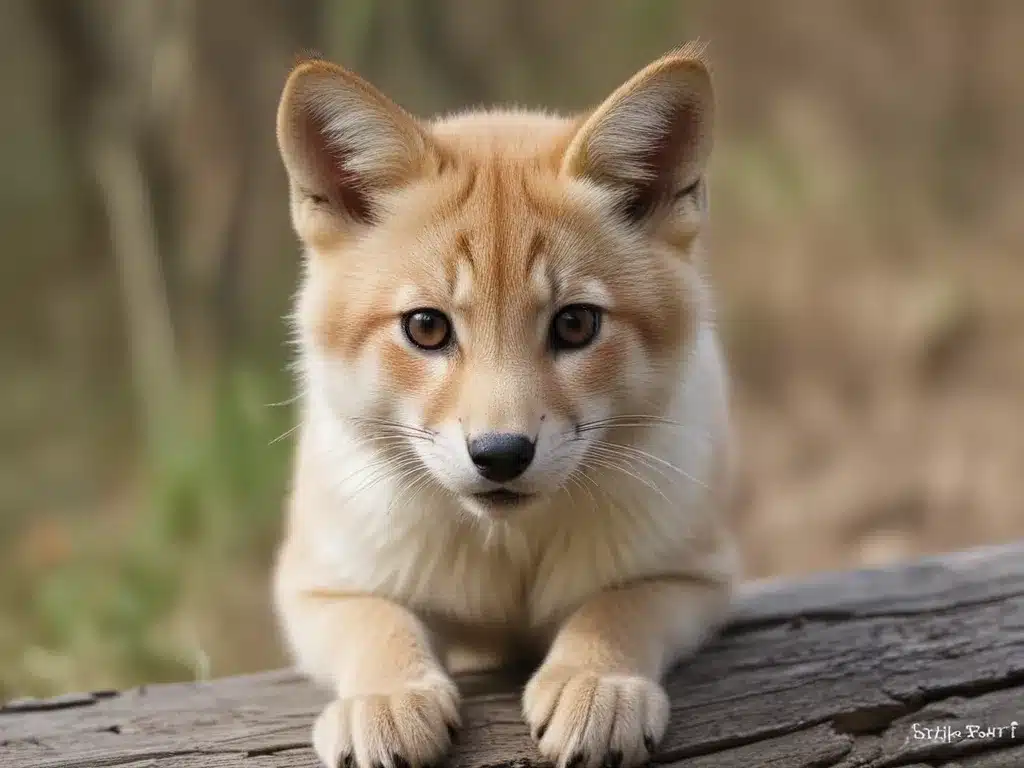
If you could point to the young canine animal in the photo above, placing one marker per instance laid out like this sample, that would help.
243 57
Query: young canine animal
514 424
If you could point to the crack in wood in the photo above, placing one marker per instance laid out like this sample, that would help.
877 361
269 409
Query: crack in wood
67 701
276 748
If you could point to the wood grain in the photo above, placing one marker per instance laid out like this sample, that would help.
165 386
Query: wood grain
845 670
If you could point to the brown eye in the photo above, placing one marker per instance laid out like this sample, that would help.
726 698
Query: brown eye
428 329
575 327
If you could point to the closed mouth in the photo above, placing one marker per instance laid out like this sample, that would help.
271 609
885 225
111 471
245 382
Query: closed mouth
502 497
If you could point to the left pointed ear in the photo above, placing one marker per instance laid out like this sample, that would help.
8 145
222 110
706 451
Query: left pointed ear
651 139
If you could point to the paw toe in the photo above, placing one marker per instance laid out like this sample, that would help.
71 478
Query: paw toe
413 727
583 718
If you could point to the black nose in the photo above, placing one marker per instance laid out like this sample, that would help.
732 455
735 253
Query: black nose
501 456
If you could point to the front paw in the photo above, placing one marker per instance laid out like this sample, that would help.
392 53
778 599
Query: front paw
581 717
411 727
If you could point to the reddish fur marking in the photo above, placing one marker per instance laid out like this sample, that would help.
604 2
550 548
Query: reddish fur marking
536 247
343 334
444 397
404 370
465 250
602 369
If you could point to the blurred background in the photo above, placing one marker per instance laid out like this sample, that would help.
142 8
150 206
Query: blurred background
868 227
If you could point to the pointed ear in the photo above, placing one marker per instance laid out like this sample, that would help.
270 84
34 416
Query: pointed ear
651 139
342 142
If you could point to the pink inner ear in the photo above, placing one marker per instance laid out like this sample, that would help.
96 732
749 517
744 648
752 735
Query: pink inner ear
339 187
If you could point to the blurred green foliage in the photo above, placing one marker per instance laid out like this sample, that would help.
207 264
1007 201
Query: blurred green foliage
107 611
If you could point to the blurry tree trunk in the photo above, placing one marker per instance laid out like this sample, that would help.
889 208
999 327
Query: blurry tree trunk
79 69
444 54
963 141
220 139
166 101
108 62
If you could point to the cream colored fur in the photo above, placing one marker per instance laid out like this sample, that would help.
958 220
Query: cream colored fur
392 575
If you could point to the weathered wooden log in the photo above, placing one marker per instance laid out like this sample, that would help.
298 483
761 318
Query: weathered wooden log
915 665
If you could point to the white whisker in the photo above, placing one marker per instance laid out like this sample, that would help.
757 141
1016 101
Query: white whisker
629 449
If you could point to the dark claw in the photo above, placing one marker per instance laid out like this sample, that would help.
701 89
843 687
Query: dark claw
613 759
399 761
649 743
453 733
346 761
540 732
578 759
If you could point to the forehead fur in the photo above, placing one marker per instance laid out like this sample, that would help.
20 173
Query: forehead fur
514 134
497 232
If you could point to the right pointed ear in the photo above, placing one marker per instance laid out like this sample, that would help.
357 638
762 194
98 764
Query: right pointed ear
343 143
651 139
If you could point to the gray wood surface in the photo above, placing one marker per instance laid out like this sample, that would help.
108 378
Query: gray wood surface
845 670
